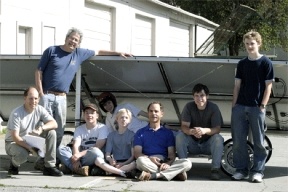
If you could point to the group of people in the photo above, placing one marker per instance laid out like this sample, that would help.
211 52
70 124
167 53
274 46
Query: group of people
130 147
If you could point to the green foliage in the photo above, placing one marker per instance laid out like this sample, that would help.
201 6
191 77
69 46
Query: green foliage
270 19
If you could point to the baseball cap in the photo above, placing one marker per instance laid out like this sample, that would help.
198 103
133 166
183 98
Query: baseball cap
91 106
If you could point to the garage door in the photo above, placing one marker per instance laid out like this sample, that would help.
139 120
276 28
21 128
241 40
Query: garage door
98 29
179 39
142 43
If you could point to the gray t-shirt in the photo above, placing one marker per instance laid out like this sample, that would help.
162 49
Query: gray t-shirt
120 145
25 122
209 117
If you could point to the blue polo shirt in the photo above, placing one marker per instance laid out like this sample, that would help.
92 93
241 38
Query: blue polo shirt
154 142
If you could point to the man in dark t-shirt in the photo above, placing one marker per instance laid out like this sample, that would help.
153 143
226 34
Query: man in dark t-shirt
201 121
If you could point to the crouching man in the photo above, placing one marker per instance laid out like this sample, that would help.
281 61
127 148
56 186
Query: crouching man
33 119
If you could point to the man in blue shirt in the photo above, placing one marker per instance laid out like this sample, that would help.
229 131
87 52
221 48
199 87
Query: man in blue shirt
154 149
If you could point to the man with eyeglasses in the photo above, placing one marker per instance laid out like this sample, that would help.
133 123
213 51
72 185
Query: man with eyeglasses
201 121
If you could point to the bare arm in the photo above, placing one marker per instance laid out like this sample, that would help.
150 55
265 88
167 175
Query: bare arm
171 155
100 143
199 131
19 140
267 93
38 82
236 91
185 128
105 52
50 125
138 151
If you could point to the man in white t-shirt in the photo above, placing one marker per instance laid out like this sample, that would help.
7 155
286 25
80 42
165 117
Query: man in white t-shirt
88 141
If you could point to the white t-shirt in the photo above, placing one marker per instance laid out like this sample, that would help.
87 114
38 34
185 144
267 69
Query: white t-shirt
89 137
135 123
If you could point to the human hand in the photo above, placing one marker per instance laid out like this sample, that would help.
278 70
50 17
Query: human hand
33 151
125 55
164 166
37 132
74 158
112 162
155 160
199 131
119 165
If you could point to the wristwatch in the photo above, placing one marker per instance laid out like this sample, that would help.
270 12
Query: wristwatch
263 106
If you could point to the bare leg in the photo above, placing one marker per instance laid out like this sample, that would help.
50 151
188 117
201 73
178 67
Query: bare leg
109 168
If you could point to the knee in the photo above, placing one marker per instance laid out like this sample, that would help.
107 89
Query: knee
187 164
180 138
140 160
99 161
97 152
21 156
51 134
219 139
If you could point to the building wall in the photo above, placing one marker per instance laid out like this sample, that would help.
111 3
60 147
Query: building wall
148 27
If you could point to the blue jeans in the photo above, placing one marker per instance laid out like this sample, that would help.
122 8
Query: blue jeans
244 117
213 146
57 107
64 153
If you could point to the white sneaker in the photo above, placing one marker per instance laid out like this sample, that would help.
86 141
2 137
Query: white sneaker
257 178
239 176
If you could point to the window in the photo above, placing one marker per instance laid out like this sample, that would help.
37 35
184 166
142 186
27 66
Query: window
24 41
143 36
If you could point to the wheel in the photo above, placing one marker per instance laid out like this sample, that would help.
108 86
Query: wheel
67 138
268 146
227 165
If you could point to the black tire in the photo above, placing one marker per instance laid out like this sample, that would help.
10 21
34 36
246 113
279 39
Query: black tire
67 138
227 165
268 146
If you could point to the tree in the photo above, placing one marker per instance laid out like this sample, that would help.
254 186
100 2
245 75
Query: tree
270 20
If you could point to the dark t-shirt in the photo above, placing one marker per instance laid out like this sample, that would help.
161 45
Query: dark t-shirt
253 75
59 67
209 117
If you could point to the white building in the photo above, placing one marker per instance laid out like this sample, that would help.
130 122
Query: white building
141 27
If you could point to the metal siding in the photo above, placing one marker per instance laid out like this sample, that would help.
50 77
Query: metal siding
98 28
179 39
142 36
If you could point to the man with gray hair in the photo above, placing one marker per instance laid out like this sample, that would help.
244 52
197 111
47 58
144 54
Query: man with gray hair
55 72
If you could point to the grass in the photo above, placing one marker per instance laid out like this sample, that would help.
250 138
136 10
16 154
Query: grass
3 131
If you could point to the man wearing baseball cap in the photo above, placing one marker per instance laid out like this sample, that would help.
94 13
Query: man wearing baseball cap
88 141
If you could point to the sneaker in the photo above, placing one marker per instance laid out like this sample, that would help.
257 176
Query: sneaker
13 170
52 171
84 170
39 165
97 171
239 176
215 175
257 178
144 176
181 176
64 169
